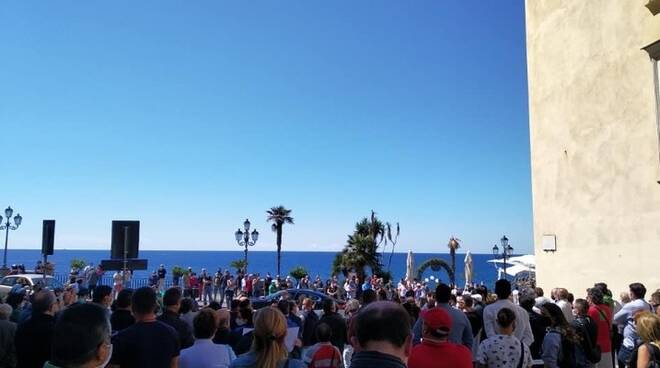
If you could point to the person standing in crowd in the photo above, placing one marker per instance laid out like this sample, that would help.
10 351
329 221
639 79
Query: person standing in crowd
7 335
382 336
162 272
35 335
268 349
625 318
81 338
461 330
149 343
601 314
93 278
310 320
435 344
323 354
122 317
117 283
558 348
229 290
336 322
537 322
648 351
217 283
170 316
103 297
204 353
207 285
187 288
504 350
655 301
587 331
522 329
562 296
223 334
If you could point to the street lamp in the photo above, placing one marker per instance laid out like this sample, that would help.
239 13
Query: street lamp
507 251
243 239
8 226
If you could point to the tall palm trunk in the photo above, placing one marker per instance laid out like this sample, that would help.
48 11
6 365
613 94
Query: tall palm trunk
279 246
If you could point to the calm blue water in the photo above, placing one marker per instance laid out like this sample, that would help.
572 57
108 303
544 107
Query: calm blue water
315 262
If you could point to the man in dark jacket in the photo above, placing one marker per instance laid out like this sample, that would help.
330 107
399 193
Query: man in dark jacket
336 322
382 336
309 323
34 336
170 316
588 332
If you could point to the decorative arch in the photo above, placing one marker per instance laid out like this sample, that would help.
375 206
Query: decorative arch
436 264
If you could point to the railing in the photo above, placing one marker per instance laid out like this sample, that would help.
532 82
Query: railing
134 283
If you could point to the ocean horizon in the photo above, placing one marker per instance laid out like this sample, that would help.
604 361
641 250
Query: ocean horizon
261 261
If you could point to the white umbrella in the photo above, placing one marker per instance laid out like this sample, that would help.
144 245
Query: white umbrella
410 267
469 268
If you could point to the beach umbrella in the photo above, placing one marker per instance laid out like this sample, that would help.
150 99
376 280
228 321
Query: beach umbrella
410 267
469 268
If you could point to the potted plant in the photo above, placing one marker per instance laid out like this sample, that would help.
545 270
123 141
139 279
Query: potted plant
238 264
177 273
298 273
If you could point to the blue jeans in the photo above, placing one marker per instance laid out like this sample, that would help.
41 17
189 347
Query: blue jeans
625 354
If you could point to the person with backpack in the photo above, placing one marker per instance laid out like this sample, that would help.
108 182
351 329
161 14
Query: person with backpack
601 314
647 354
588 352
558 349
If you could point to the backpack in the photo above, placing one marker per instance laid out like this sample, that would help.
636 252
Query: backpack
654 351
591 350
567 358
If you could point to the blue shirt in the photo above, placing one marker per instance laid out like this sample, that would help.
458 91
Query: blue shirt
624 317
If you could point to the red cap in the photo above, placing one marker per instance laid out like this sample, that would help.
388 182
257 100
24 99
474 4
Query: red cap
437 319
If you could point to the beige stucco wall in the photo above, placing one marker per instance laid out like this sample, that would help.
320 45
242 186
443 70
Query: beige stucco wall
594 144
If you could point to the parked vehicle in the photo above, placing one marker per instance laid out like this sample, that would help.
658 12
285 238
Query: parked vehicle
28 281
295 294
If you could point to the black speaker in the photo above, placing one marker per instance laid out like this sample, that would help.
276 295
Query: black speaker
125 233
118 264
48 237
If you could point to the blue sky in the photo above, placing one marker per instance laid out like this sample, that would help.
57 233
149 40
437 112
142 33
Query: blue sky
192 116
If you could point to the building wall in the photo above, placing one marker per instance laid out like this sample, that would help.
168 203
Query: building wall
594 143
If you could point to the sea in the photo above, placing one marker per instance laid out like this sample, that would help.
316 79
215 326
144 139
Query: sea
316 263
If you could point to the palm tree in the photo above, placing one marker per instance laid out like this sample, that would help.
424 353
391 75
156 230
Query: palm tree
279 216
454 243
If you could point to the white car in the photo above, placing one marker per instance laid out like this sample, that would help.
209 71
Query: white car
28 281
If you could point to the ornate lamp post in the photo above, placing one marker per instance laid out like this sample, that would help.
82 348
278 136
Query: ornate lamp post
243 239
8 226
507 251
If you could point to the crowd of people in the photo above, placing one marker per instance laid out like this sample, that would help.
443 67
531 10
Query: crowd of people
406 325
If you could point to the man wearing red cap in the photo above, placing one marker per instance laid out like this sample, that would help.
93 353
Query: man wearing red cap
435 351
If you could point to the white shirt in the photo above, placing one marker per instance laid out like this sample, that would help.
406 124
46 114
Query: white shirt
523 330
502 351
205 354
567 309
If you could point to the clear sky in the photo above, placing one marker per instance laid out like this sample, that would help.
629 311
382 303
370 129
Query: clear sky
193 115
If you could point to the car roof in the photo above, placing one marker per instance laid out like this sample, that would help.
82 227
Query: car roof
30 275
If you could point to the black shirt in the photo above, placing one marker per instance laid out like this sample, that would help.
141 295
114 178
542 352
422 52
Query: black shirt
370 359
338 326
172 319
145 345
33 340
121 319
161 273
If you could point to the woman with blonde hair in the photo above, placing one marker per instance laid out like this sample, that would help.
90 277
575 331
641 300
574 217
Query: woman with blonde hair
268 348
648 328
